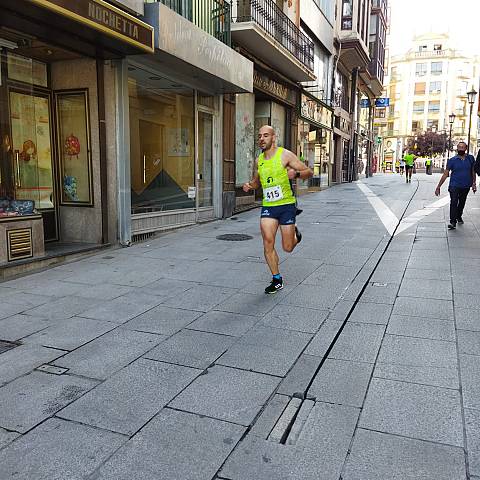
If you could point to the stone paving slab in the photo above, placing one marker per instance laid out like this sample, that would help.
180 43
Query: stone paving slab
269 417
224 323
371 313
325 439
70 333
7 437
23 359
416 411
472 426
192 349
58 450
299 377
295 318
467 301
468 342
201 298
174 445
417 273
251 304
470 374
130 398
227 394
379 456
122 309
358 342
29 400
259 459
421 327
106 355
434 376
65 307
18 326
162 320
341 382
419 307
104 291
321 341
421 352
420 288
381 292
310 296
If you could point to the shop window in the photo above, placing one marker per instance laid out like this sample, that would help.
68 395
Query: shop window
162 156
432 124
27 70
74 148
416 126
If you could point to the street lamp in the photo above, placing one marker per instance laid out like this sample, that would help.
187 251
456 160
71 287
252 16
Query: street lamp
472 94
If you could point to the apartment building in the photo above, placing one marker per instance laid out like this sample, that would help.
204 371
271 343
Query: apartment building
425 86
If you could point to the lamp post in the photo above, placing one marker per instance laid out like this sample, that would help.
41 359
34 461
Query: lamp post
451 120
472 94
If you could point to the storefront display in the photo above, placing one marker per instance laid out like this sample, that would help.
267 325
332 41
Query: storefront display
74 147
315 142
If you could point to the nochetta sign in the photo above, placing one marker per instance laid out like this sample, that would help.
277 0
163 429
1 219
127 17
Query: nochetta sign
106 18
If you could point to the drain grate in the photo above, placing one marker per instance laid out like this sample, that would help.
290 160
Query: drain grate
234 237
6 346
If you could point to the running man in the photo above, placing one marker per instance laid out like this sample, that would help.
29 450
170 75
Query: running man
273 170
402 166
409 159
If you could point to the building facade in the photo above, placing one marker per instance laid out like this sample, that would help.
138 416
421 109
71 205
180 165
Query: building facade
360 40
425 86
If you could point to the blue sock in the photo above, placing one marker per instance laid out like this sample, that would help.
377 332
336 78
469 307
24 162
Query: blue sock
277 276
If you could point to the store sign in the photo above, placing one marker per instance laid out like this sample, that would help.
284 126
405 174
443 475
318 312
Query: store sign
316 112
106 18
364 103
276 89
382 102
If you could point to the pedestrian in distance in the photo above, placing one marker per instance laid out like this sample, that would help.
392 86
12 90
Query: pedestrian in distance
461 171
409 159
273 170
402 166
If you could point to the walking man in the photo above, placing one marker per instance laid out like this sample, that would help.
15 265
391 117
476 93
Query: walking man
273 170
460 168
402 166
409 159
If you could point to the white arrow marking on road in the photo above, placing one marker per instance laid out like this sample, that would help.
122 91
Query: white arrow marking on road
420 214
388 218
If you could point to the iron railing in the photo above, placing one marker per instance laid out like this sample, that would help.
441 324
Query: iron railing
273 21
212 16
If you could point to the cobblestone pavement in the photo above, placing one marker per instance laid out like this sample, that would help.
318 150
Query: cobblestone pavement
166 360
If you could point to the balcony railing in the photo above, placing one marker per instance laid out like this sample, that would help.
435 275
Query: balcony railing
273 21
212 16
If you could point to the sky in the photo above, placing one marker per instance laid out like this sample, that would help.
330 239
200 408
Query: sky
459 18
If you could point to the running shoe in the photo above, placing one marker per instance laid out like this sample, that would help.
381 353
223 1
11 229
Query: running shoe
460 220
274 287
452 226
298 235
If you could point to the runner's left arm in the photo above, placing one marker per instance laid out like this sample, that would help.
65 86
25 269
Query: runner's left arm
294 165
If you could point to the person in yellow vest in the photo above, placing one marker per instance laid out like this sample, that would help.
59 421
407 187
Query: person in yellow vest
273 170
428 166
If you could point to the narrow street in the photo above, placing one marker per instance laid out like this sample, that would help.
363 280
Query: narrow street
166 360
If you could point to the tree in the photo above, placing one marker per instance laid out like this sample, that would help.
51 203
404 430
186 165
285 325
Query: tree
430 144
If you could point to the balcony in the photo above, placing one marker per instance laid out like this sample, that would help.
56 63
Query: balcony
212 16
262 28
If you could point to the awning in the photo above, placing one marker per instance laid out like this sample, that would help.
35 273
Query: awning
90 27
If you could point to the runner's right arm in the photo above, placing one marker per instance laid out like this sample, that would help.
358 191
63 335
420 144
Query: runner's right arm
255 182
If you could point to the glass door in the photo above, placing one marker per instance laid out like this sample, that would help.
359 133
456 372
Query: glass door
31 145
205 160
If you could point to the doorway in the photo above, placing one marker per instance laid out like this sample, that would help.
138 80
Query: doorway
32 153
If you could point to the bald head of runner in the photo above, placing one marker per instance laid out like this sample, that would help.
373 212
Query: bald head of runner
266 138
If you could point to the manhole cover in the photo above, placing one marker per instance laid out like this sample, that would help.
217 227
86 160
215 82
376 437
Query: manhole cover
6 346
108 257
234 237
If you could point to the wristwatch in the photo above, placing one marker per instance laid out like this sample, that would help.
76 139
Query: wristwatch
297 174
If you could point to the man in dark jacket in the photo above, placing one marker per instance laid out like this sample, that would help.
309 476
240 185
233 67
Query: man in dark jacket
460 168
